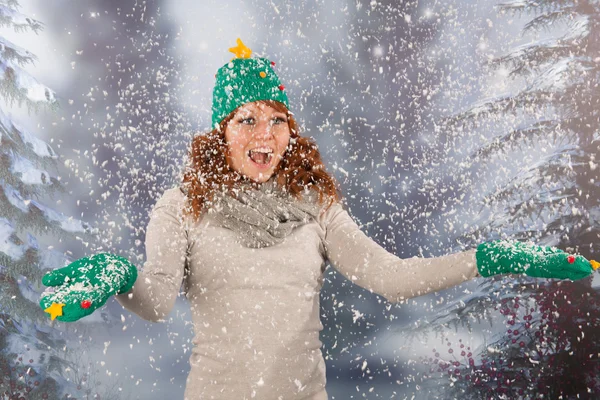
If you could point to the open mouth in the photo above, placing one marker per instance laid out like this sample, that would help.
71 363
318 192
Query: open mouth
261 156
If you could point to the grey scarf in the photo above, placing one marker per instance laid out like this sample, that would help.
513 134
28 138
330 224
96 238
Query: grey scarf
265 216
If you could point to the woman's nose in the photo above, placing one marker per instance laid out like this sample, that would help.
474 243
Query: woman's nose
263 129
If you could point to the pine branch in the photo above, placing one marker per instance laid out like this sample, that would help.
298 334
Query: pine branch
549 18
571 220
27 265
13 302
519 6
21 174
535 177
544 90
22 142
551 200
492 107
7 325
12 52
58 222
538 195
39 219
530 58
579 30
548 213
32 146
479 304
515 138
559 76
10 3
19 86
19 22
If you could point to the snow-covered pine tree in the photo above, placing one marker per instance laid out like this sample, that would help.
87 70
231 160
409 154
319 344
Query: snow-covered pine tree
33 354
549 344
558 119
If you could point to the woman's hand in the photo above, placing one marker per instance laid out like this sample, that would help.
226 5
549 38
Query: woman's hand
513 257
85 285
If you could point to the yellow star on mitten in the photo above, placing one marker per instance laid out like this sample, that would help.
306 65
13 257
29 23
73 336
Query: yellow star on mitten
55 310
240 51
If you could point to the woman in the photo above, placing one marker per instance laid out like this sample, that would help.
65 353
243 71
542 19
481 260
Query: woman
248 234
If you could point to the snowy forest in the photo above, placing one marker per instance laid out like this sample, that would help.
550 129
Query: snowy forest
446 123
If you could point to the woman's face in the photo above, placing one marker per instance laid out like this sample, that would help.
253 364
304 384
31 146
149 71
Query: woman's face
257 137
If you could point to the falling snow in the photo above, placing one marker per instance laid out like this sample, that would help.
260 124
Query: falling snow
445 124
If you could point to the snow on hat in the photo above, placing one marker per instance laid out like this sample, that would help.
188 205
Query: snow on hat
244 80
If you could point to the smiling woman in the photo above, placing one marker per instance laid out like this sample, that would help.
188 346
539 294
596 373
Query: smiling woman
251 260
234 152
258 136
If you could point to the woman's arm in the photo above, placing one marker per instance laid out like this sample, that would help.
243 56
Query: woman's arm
154 293
369 265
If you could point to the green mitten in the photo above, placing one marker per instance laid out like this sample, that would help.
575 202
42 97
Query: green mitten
85 285
513 257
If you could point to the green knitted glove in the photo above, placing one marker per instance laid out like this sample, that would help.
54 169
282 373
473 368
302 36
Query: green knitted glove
513 257
85 285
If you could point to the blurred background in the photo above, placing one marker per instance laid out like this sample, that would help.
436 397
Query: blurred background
446 124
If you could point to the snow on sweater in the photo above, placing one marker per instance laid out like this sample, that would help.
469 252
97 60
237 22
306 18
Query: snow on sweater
256 311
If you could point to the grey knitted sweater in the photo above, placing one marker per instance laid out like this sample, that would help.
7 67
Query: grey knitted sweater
256 311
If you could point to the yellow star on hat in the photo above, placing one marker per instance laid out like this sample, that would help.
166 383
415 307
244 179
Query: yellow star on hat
55 310
240 51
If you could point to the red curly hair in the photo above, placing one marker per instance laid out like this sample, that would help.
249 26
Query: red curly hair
207 169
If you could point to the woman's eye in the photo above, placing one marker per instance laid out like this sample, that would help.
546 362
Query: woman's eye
247 120
278 120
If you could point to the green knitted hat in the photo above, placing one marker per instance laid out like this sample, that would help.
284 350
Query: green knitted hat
244 80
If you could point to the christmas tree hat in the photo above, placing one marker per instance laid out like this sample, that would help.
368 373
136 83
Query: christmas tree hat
244 80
